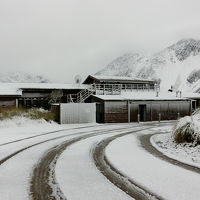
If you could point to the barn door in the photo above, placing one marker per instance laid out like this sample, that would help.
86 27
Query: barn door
143 112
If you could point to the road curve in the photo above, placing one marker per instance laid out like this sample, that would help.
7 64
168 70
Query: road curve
43 134
124 183
146 144
2 161
43 183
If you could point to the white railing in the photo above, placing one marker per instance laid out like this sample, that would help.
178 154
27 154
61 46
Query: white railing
108 89
116 89
83 95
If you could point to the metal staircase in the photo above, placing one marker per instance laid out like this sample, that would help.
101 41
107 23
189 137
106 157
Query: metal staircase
83 95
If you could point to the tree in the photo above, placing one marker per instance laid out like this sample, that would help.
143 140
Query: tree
55 96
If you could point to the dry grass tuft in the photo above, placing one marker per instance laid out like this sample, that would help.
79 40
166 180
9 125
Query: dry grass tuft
33 113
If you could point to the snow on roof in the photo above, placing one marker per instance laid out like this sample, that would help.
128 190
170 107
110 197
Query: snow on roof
191 95
10 91
141 96
43 86
120 78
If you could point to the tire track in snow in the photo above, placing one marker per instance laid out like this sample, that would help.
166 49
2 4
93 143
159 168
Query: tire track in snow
146 144
2 161
39 135
115 176
43 184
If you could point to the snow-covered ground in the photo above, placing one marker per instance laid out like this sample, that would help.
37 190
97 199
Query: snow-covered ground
183 152
76 172
80 179
21 127
16 172
156 175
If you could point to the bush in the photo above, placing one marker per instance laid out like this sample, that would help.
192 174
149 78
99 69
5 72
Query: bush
33 113
187 129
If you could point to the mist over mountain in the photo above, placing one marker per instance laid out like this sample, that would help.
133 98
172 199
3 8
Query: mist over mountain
22 77
177 65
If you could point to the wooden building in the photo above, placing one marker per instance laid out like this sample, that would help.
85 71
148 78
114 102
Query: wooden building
118 99
43 94
115 85
132 108
30 95
9 97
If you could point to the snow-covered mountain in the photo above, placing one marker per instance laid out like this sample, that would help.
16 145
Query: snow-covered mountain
22 77
177 66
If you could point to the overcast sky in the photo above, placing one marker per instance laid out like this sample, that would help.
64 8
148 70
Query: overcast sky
62 38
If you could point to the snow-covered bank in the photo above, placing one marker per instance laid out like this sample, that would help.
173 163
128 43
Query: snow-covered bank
183 152
21 121
158 176
20 127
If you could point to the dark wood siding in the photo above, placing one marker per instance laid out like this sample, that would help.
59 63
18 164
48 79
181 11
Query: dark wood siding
168 110
133 111
100 112
112 111
7 102
184 108
116 112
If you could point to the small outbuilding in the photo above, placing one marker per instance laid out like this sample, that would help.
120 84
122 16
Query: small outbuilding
140 106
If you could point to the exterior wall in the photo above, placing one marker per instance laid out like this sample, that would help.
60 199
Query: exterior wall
100 112
118 111
7 102
77 113
41 97
115 112
168 110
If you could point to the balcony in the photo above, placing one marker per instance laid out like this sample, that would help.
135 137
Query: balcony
116 89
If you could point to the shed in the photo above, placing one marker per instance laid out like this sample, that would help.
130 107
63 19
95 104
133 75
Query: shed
140 106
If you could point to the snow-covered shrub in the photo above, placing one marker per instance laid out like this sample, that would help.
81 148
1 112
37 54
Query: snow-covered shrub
187 129
33 113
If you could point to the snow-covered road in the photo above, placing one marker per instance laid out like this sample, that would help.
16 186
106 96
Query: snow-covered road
21 154
61 159
162 178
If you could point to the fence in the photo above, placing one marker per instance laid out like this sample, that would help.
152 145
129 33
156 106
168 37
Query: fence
71 113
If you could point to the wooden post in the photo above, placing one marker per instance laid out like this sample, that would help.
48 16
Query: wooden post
129 112
16 103
138 118
178 115
112 89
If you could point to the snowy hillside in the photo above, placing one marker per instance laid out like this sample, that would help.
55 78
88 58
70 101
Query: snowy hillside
177 65
22 77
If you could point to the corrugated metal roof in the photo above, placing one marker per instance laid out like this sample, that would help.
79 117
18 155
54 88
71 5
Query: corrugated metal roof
10 91
118 79
43 86
141 96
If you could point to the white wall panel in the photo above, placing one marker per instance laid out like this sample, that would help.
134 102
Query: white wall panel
71 113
